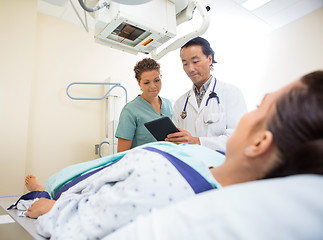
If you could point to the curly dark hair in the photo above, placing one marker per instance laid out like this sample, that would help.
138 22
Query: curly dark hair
145 65
297 127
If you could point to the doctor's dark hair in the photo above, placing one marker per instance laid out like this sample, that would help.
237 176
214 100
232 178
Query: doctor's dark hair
206 47
145 65
297 127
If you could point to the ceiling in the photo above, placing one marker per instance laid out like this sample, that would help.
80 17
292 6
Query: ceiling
275 13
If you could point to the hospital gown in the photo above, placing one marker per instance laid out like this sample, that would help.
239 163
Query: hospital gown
140 181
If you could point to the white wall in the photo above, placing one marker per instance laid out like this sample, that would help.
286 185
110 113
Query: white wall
42 130
16 63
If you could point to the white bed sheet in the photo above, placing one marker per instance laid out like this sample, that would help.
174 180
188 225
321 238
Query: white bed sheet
27 223
282 208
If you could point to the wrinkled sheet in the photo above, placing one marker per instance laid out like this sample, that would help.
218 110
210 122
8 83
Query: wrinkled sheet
115 196
281 208
194 155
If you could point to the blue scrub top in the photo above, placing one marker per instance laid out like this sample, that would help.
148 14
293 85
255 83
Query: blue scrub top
135 114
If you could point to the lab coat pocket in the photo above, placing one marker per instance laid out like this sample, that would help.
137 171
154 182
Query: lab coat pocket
216 124
213 118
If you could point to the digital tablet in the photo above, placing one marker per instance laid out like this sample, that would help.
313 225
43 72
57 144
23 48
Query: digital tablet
161 127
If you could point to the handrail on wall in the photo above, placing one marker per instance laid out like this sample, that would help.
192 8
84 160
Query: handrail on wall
114 85
100 146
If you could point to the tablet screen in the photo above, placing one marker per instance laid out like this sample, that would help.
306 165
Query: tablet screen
161 127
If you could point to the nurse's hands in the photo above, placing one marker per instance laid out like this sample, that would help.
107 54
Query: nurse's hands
40 207
182 137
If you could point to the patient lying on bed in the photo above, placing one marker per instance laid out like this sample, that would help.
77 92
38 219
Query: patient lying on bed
133 183
288 206
265 144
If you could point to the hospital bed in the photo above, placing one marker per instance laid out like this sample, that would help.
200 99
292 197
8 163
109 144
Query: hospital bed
13 226
281 208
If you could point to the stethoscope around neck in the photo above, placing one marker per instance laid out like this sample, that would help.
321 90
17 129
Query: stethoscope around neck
211 95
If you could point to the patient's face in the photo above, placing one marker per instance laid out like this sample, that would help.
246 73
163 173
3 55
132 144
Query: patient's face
249 125
252 123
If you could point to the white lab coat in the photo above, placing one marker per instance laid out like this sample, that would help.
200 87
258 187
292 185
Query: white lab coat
213 123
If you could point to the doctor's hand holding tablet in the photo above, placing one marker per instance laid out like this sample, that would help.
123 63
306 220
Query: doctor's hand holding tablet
164 129
182 136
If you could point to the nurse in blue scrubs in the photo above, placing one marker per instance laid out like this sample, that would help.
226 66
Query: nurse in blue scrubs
146 107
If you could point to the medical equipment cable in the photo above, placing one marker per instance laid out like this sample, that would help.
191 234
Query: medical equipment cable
96 8
85 25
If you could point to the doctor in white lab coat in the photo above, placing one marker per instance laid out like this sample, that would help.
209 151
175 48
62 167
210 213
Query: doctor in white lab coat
209 112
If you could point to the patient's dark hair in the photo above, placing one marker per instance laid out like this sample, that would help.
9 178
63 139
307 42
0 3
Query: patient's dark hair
297 128
145 65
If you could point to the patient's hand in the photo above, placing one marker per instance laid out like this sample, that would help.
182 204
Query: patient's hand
40 207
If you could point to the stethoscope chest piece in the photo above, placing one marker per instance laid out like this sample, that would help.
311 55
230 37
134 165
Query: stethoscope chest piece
183 114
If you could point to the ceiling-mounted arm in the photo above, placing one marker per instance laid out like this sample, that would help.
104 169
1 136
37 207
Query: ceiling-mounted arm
96 8
182 40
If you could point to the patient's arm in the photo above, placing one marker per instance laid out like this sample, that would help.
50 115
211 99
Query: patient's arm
40 207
